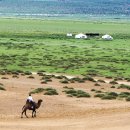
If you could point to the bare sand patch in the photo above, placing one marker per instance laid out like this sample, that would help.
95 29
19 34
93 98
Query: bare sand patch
60 111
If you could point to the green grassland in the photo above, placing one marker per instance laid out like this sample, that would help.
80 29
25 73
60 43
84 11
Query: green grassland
39 26
35 45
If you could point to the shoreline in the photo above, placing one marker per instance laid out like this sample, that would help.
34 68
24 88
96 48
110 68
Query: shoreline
72 19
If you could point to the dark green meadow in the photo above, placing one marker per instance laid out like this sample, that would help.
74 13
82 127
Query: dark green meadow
38 45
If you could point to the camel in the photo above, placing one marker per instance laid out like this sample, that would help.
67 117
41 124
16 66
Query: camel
28 106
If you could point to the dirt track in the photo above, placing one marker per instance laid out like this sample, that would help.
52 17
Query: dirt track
60 112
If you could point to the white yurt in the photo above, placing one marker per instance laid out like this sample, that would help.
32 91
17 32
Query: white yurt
69 34
80 36
107 37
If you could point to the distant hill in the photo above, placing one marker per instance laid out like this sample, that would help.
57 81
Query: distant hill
44 7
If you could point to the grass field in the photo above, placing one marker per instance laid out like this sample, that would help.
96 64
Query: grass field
29 26
35 45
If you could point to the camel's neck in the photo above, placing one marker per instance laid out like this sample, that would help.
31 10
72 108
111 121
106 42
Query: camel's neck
38 105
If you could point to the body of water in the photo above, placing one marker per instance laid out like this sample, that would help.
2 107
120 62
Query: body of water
67 9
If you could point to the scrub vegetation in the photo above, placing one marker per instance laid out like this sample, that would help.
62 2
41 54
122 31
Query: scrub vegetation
41 45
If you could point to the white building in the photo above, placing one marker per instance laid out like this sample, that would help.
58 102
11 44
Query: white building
80 36
69 34
107 37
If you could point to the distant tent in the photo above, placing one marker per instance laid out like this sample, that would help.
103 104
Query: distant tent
80 36
69 34
92 34
107 37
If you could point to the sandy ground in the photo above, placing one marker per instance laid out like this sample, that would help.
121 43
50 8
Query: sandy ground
60 112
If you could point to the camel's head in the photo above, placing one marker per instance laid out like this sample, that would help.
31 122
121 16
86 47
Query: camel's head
40 100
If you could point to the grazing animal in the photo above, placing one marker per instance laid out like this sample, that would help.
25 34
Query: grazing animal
28 106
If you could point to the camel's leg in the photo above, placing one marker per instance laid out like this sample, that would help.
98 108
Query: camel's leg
22 114
35 113
32 113
22 111
26 114
23 107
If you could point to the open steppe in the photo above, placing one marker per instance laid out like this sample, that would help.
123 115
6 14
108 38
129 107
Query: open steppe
30 45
